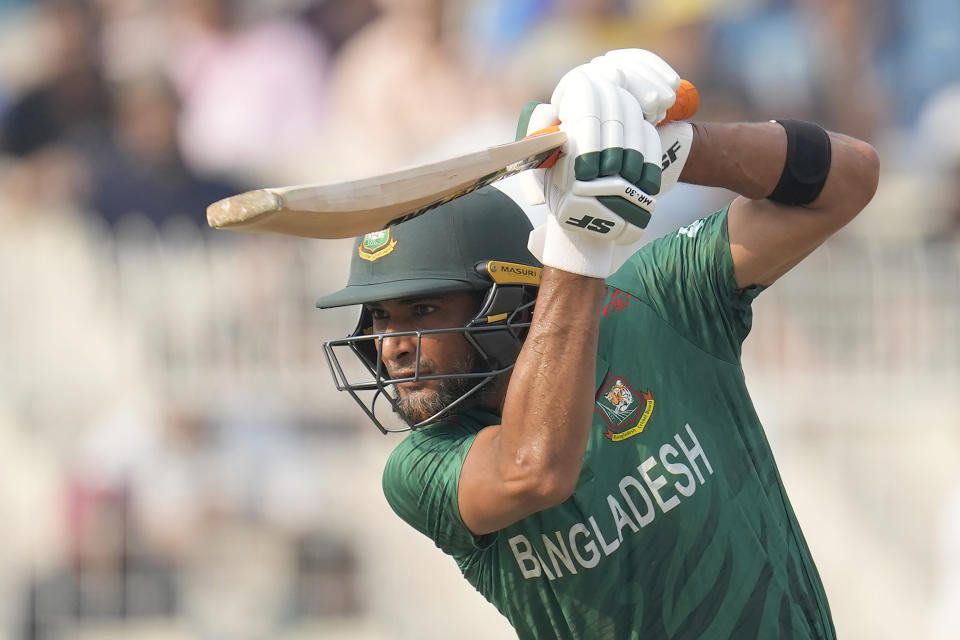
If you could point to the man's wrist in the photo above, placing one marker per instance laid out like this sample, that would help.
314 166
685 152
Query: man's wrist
744 157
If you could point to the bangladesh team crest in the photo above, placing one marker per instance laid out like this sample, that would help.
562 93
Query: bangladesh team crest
375 245
625 411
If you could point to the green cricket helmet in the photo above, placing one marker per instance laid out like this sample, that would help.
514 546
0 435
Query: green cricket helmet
477 242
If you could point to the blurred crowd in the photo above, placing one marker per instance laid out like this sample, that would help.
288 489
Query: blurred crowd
121 120
157 108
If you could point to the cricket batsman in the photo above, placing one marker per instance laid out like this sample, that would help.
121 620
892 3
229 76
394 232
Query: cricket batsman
582 440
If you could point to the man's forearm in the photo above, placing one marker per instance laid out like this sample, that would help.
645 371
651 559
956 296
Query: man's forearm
549 404
748 159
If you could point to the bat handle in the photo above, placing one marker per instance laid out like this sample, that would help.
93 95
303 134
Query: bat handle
685 106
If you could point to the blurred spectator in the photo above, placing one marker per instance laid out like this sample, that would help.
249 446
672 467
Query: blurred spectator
496 28
401 88
61 115
171 484
938 155
845 39
254 94
805 59
325 582
102 572
70 103
539 40
338 20
141 170
922 52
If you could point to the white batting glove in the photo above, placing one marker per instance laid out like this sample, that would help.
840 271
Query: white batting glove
599 191
676 138
654 84
645 75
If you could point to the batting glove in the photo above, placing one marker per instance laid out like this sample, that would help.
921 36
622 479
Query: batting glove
599 190
654 83
645 75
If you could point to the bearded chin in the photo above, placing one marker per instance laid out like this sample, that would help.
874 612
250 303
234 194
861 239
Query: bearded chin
417 406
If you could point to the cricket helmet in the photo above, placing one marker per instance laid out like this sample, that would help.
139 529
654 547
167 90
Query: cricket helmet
477 242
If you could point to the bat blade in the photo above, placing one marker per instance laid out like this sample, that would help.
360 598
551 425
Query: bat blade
349 209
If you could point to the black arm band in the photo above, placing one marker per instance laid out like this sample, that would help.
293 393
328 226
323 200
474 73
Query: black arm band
807 165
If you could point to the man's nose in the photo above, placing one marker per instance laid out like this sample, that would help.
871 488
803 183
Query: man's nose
398 349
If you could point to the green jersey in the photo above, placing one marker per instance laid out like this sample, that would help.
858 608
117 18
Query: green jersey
679 526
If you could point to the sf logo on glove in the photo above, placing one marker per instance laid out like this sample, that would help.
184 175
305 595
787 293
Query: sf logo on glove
592 224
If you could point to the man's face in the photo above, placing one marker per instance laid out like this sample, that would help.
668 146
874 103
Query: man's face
442 353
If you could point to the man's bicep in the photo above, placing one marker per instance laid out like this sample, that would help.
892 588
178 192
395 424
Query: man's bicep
489 501
768 239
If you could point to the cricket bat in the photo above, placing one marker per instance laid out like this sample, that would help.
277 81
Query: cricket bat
350 209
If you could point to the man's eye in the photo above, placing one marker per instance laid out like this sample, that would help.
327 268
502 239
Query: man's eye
378 314
423 309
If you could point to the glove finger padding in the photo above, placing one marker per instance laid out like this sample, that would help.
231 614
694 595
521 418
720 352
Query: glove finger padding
600 119
641 161
675 141
592 191
643 62
612 131
583 103
645 75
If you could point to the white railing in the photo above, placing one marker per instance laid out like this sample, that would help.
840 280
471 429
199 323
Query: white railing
225 310
855 308
198 315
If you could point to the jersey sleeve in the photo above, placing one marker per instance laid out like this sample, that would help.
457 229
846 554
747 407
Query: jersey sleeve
687 278
420 482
